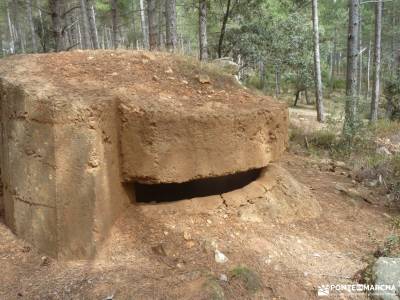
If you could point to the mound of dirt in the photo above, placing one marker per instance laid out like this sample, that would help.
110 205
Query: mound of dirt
284 200
81 128
275 196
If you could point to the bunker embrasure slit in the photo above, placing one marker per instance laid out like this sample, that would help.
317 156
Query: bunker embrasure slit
168 192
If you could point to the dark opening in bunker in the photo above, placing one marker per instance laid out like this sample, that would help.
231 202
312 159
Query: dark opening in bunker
156 193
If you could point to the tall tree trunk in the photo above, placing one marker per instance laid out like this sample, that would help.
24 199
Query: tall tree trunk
55 8
360 52
351 76
43 41
277 82
333 62
262 75
170 17
72 31
11 34
19 45
317 64
308 100
369 70
85 25
152 23
114 23
223 28
143 24
133 19
31 27
203 47
92 24
161 22
377 62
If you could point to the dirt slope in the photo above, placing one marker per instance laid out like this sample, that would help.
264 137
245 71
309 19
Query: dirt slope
173 258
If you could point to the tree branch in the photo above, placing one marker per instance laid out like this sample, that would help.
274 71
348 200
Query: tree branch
69 10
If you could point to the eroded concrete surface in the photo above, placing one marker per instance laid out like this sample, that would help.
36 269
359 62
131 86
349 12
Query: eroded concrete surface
77 127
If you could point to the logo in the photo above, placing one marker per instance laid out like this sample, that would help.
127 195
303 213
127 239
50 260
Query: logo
323 290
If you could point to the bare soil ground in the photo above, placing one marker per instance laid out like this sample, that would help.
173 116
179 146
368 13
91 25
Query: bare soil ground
172 256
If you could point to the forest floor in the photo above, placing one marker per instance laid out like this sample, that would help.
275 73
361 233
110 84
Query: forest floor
171 256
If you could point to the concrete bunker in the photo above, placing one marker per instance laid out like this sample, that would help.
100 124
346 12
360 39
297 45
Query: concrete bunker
78 128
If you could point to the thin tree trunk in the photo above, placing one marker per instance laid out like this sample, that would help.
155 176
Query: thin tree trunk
360 59
42 40
297 98
317 64
377 62
369 70
203 30
277 82
133 18
170 17
114 23
262 74
92 25
333 62
19 45
308 100
144 25
72 31
85 26
331 57
161 22
57 26
31 27
351 76
152 23
223 28
10 28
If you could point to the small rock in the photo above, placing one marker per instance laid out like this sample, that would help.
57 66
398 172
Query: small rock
223 277
204 78
187 236
386 271
90 58
159 250
184 82
372 183
26 249
209 221
45 261
155 78
340 164
169 71
383 151
220 257
114 74
190 244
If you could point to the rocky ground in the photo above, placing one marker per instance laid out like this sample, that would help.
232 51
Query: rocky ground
172 256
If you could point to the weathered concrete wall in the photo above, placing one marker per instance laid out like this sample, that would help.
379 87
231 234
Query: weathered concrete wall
165 144
61 177
75 127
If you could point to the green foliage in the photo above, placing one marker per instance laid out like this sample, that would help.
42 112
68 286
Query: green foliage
325 139
249 278
213 290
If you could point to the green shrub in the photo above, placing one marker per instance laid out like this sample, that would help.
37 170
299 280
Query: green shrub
249 278
325 139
